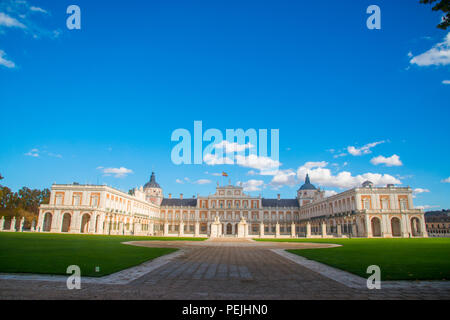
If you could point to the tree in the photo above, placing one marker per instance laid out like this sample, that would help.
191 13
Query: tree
444 6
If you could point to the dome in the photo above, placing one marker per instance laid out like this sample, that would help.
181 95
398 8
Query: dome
367 184
307 185
152 183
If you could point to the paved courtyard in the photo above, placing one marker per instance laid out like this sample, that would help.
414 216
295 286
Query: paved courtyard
219 269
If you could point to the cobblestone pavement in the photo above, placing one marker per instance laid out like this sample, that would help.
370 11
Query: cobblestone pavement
227 269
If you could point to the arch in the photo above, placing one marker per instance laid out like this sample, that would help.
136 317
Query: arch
47 224
85 223
66 221
376 227
415 227
229 228
396 227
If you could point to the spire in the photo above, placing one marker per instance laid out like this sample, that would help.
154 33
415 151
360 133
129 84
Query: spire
152 183
307 179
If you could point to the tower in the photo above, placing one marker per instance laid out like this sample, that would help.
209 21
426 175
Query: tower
153 192
307 192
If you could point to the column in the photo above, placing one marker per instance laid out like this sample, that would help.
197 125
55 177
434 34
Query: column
55 226
197 229
354 229
368 226
423 227
339 229
405 226
308 229
293 230
261 230
277 230
101 223
151 228
13 224
386 226
121 227
181 229
107 226
324 229
166 228
2 223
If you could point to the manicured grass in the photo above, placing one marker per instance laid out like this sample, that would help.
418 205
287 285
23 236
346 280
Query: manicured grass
53 253
398 259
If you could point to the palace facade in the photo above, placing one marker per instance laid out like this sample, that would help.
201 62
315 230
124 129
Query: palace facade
365 211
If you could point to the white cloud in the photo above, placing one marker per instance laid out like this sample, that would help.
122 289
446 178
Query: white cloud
20 14
252 185
10 22
446 82
257 162
392 161
410 54
343 154
179 181
202 181
215 174
213 159
321 175
329 193
420 190
117 172
231 147
364 149
447 180
33 153
251 161
5 62
55 155
425 207
439 54
284 178
37 9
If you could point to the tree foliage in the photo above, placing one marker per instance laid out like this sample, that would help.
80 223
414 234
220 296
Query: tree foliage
444 6
23 203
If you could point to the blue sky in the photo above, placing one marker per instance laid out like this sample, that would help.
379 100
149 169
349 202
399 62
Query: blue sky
77 104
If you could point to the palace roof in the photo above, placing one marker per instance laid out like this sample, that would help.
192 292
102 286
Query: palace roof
166 202
279 203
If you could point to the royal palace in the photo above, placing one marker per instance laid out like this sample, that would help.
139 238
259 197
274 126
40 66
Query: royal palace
365 211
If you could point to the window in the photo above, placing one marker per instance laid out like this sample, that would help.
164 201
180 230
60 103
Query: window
95 200
366 203
59 198
384 203
403 204
76 199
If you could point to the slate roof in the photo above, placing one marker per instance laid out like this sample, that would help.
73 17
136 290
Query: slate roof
279 203
172 202
152 183
307 185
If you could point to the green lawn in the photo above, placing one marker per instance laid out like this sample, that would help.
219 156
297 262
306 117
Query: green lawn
398 259
53 253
